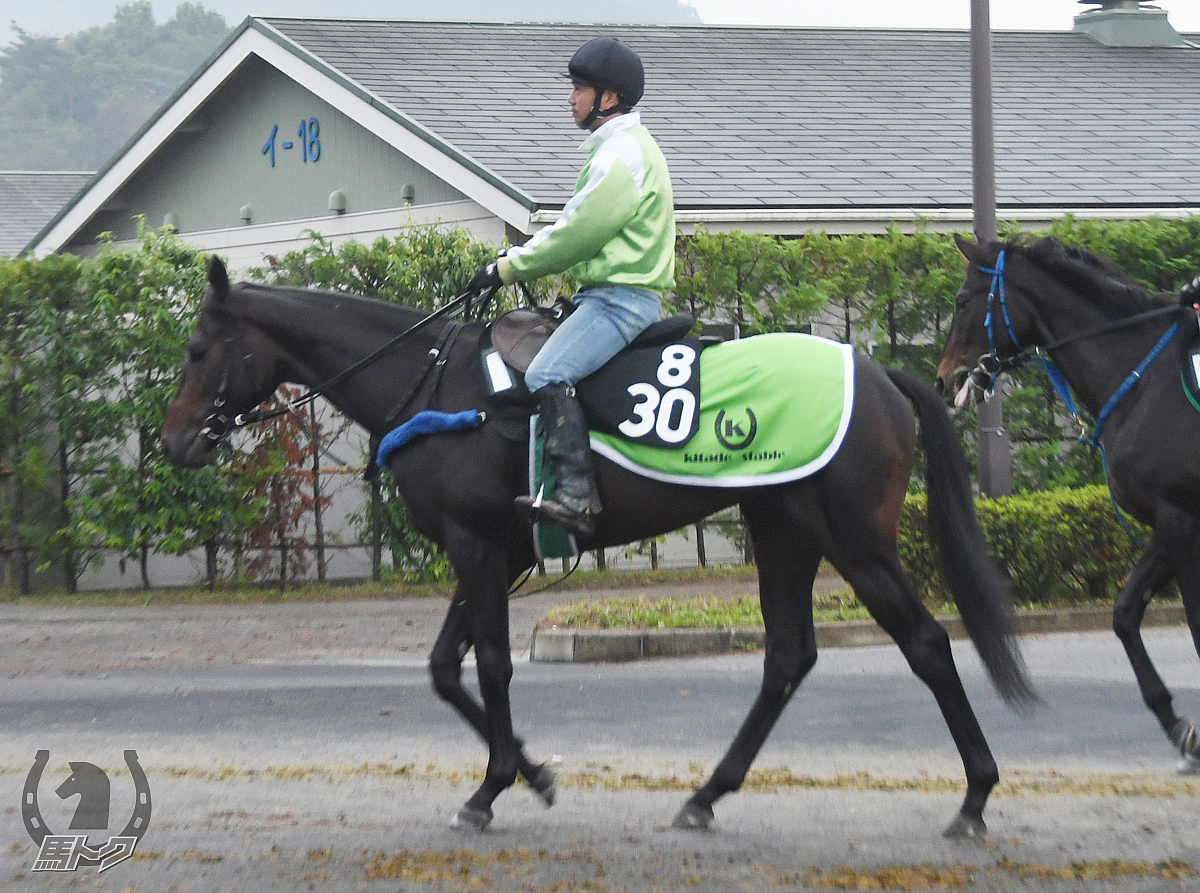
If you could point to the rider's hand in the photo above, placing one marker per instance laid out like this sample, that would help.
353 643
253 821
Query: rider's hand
487 279
1189 295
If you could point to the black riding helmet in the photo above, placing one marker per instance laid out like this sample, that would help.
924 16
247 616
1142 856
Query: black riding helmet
607 64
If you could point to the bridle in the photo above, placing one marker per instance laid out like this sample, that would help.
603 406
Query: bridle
219 424
991 365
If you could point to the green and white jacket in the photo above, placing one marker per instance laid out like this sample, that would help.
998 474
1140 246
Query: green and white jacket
619 226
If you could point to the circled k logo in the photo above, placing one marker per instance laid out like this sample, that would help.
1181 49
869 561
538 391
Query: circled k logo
736 434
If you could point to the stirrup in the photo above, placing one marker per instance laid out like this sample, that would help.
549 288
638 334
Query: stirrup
579 523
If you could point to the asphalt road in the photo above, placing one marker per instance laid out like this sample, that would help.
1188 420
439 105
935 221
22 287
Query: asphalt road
301 747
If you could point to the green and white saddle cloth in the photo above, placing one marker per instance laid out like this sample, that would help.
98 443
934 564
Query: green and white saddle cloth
771 408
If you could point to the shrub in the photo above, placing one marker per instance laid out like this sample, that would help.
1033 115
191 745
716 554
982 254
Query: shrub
1058 546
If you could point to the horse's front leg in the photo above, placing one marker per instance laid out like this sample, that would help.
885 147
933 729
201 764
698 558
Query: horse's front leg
1168 554
482 569
445 666
1182 541
1151 573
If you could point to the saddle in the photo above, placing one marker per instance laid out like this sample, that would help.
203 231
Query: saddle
518 335
512 340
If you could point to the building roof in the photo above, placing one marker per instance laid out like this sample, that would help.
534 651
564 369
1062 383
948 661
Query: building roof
30 198
800 117
777 129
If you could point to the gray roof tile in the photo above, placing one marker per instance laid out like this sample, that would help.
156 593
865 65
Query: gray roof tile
28 199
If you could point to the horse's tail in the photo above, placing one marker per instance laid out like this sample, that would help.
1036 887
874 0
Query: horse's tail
979 587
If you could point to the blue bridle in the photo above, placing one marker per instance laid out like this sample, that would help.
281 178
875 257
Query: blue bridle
992 365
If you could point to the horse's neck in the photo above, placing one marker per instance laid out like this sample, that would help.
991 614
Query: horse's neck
317 340
1096 364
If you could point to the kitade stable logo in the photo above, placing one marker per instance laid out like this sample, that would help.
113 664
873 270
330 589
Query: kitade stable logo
736 434
66 852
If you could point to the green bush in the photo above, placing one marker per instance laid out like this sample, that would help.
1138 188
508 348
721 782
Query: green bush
1058 546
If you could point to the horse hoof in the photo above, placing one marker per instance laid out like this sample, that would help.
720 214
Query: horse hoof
965 828
545 785
693 818
1189 765
471 819
1186 739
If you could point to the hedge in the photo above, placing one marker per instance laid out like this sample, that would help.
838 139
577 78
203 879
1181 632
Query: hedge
1058 546
90 349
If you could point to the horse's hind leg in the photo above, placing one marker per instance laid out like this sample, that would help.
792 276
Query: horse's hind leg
785 579
882 586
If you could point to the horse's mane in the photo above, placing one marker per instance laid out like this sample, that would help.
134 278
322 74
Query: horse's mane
294 299
1100 280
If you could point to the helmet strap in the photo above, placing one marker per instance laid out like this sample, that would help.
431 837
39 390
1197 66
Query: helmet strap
597 112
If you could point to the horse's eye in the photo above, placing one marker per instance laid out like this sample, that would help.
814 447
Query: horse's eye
196 353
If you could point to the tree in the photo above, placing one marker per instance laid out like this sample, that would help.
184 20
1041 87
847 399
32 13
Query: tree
133 502
751 281
916 277
70 103
33 295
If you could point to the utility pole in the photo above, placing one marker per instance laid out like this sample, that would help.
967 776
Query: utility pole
995 454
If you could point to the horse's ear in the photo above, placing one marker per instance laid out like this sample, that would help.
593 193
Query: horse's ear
218 278
970 250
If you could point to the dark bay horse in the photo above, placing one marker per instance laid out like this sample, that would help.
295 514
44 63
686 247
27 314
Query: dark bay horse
460 486
1122 352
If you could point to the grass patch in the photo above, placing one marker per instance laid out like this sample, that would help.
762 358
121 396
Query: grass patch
643 612
707 612
632 579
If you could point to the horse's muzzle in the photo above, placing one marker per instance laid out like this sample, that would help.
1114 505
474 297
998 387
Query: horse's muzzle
963 386
187 448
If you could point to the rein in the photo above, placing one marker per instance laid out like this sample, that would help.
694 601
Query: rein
219 425
992 365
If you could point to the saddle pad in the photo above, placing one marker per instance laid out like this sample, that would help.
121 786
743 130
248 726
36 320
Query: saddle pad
549 540
773 408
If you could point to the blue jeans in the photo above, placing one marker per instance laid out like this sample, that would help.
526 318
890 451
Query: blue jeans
605 319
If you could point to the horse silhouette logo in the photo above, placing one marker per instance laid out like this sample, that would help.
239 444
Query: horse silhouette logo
66 852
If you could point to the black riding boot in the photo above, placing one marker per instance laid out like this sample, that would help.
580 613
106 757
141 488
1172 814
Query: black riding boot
576 501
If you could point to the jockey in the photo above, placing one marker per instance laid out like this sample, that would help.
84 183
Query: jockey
616 236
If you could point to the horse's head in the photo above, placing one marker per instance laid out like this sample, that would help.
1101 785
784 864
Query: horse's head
986 329
227 372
